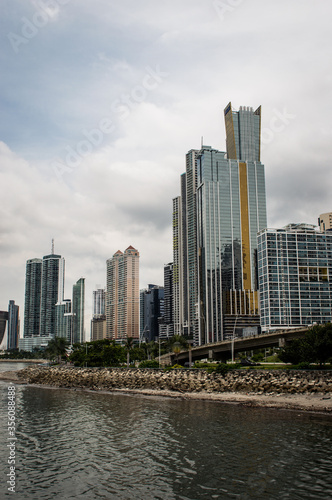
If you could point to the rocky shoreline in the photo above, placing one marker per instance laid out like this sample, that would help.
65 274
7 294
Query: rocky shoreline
301 390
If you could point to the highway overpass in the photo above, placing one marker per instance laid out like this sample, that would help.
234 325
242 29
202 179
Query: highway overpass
222 351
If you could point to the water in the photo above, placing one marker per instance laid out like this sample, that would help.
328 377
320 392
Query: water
75 444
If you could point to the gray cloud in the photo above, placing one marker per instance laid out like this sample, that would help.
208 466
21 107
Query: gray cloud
88 58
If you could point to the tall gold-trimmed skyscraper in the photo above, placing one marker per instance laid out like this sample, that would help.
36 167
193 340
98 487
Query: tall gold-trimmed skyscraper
225 208
122 295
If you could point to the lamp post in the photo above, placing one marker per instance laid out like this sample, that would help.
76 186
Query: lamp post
190 343
233 339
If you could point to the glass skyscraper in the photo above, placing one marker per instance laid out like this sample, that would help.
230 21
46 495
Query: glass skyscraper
224 209
78 311
52 292
295 276
33 280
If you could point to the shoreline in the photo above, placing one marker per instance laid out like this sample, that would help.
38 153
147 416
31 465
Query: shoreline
305 402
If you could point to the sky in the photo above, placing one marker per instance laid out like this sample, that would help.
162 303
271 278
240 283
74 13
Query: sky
100 101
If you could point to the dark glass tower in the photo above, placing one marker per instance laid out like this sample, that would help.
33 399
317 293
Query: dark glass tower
33 285
52 292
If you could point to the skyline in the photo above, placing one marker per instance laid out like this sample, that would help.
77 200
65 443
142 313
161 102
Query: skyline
136 90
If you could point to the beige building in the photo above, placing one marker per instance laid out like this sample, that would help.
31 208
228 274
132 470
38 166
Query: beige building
325 222
98 328
122 295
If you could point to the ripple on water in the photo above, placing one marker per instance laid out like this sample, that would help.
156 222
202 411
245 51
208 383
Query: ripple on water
74 444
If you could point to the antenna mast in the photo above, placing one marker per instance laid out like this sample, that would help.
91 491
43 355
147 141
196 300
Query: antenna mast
52 246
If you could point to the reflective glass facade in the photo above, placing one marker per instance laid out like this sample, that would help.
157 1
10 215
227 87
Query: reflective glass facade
231 209
215 223
295 271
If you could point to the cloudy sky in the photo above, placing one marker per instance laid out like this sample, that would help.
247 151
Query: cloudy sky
101 99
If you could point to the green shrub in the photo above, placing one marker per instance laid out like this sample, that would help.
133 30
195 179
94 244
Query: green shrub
222 368
149 363
303 366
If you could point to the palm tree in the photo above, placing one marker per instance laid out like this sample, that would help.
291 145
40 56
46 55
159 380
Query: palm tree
128 347
57 348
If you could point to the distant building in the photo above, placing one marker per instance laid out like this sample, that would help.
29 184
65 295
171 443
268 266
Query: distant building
33 283
52 292
99 302
325 222
3 326
31 343
295 276
166 327
122 295
78 311
64 320
13 330
151 309
98 328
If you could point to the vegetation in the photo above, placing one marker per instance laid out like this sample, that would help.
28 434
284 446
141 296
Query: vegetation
314 347
149 363
16 354
57 348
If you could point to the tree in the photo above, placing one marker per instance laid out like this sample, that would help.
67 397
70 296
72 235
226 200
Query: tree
56 348
128 346
314 347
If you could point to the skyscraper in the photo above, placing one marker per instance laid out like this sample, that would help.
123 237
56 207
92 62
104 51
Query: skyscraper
98 322
78 310
64 321
224 209
99 302
151 310
122 294
52 292
13 325
166 326
33 280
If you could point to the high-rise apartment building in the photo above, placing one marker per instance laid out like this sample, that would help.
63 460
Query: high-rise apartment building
225 207
52 292
33 281
78 310
166 326
98 322
122 295
295 276
99 302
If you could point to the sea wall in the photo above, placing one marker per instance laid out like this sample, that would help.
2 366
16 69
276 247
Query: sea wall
259 381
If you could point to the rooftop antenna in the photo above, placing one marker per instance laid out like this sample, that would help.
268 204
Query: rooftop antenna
201 141
52 246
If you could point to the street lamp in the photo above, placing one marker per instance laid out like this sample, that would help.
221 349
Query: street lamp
233 339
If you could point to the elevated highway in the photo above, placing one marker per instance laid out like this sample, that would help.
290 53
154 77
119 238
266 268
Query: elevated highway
222 351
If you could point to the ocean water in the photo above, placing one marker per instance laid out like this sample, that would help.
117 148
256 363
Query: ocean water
78 444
